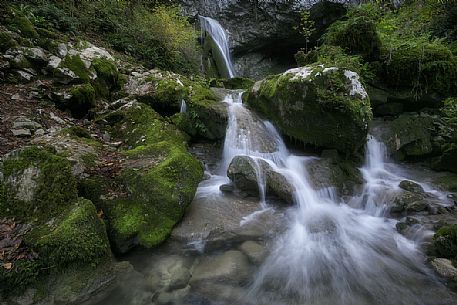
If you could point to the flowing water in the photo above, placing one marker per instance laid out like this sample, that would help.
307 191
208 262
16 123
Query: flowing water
214 29
324 252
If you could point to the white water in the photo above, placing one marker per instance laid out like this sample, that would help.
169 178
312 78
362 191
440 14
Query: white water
183 106
217 32
331 253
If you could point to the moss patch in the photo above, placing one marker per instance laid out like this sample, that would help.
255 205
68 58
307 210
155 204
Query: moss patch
447 183
52 185
80 238
445 242
7 42
108 77
82 100
75 64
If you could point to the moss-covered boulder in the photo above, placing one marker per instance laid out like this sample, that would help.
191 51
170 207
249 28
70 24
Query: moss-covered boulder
409 135
445 242
356 34
160 177
58 230
165 92
324 106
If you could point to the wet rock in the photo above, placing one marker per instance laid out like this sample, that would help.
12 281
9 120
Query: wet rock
327 172
230 267
255 252
173 297
444 268
170 273
411 186
228 188
245 171
409 201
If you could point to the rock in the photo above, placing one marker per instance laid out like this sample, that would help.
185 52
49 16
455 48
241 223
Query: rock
228 188
306 104
36 55
62 50
25 123
231 266
411 186
56 118
66 76
408 135
54 62
327 172
445 242
444 268
408 201
170 273
24 77
21 132
174 297
244 172
40 132
254 251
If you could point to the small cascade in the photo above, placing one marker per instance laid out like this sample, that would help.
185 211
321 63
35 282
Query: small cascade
217 33
183 107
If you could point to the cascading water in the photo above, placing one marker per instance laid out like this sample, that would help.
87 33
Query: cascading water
219 36
183 108
330 253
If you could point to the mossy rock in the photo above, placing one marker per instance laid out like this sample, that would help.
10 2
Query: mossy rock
37 184
445 242
357 35
79 239
237 83
158 195
140 125
7 42
323 106
447 183
81 101
75 64
38 189
409 135
108 77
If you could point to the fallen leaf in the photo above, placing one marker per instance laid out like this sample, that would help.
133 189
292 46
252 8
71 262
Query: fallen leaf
8 266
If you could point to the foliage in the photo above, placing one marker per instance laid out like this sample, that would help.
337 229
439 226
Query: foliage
445 242
306 27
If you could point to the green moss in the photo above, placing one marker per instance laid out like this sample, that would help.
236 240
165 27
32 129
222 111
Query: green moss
139 125
159 194
445 242
82 100
166 96
23 25
447 183
92 188
357 35
7 42
55 186
80 238
316 110
75 64
77 131
108 77
22 274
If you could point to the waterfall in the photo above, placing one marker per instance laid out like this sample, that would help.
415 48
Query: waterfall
219 36
183 106
330 253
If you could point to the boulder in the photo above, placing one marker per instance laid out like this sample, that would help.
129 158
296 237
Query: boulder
323 106
445 268
231 266
245 172
445 242
254 251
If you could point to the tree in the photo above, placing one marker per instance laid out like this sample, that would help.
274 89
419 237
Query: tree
306 27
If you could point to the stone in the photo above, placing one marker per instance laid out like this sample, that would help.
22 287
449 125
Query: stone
173 297
231 266
244 172
56 118
326 107
170 273
54 62
444 268
36 54
25 123
411 186
21 132
255 252
228 188
62 50
39 132
24 77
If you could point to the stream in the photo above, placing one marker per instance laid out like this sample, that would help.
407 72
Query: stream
232 249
